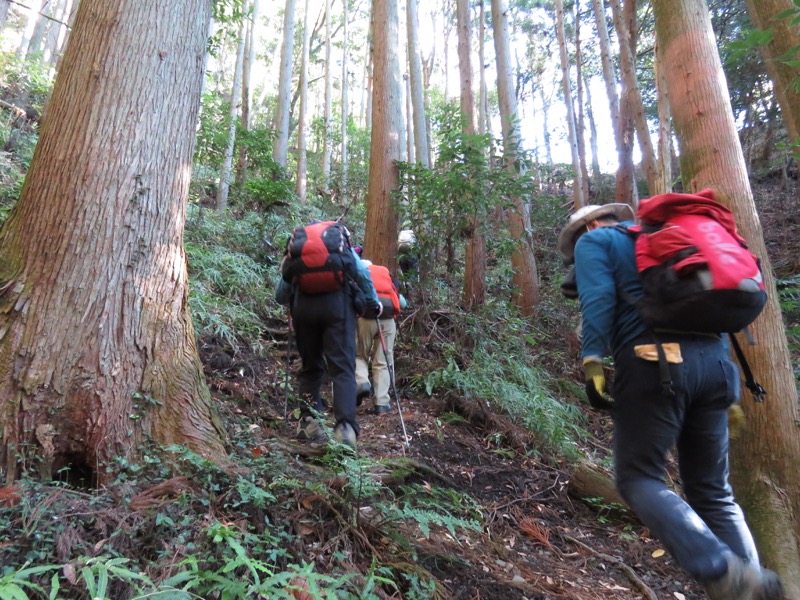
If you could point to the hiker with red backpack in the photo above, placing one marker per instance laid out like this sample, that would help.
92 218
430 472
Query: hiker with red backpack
673 385
375 339
325 285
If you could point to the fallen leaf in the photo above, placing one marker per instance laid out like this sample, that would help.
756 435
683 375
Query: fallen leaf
679 596
658 553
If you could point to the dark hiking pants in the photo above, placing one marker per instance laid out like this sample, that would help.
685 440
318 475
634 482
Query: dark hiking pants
700 531
325 330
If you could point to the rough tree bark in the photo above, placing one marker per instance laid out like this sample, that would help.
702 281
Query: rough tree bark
386 141
326 141
764 458
523 261
97 348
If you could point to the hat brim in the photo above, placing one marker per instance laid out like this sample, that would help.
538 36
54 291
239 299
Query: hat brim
569 235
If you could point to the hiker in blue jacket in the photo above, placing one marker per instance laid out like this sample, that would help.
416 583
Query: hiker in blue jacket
706 534
325 331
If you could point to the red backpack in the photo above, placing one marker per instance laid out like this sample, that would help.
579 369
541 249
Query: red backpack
696 270
318 256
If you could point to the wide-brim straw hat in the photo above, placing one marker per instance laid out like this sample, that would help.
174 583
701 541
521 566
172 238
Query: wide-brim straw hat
583 216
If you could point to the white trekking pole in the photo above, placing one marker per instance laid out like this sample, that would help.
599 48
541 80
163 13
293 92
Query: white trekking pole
390 364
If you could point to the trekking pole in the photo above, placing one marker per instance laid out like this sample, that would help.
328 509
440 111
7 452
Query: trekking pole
288 366
390 364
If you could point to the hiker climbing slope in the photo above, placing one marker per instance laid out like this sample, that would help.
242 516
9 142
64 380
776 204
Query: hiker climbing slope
371 328
706 533
324 284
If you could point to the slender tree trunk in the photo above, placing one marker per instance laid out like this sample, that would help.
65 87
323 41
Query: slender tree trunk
415 74
593 140
380 240
764 458
625 20
345 107
280 149
97 347
4 6
247 89
780 56
474 292
579 121
609 77
577 185
548 146
525 278
236 105
664 181
32 18
483 117
411 155
50 48
40 29
302 124
326 143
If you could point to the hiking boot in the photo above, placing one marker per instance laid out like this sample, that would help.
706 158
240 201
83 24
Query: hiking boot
345 434
362 391
740 582
309 430
382 409
771 587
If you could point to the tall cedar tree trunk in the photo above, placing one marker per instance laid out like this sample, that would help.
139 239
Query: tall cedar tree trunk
345 105
40 29
415 74
97 349
280 148
53 32
326 141
380 240
572 127
302 122
33 10
411 155
247 88
625 19
474 293
523 262
483 120
781 50
233 117
764 460
594 141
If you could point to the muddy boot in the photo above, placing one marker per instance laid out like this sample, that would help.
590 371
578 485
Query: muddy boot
363 390
740 582
309 430
345 434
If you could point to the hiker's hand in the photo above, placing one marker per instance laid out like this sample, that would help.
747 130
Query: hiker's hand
596 384
736 421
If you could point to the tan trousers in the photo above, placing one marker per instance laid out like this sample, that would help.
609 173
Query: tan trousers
368 345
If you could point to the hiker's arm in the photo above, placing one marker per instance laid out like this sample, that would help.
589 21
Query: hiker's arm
597 293
361 276
283 292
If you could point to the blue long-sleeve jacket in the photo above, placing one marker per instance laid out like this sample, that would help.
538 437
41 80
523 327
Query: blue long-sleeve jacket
605 267
283 289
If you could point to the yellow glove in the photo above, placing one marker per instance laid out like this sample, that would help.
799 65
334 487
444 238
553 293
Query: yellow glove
596 384
736 421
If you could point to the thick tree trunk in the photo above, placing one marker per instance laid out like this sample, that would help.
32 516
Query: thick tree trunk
780 56
765 457
280 148
415 74
523 261
97 349
664 179
302 122
572 127
233 116
380 241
